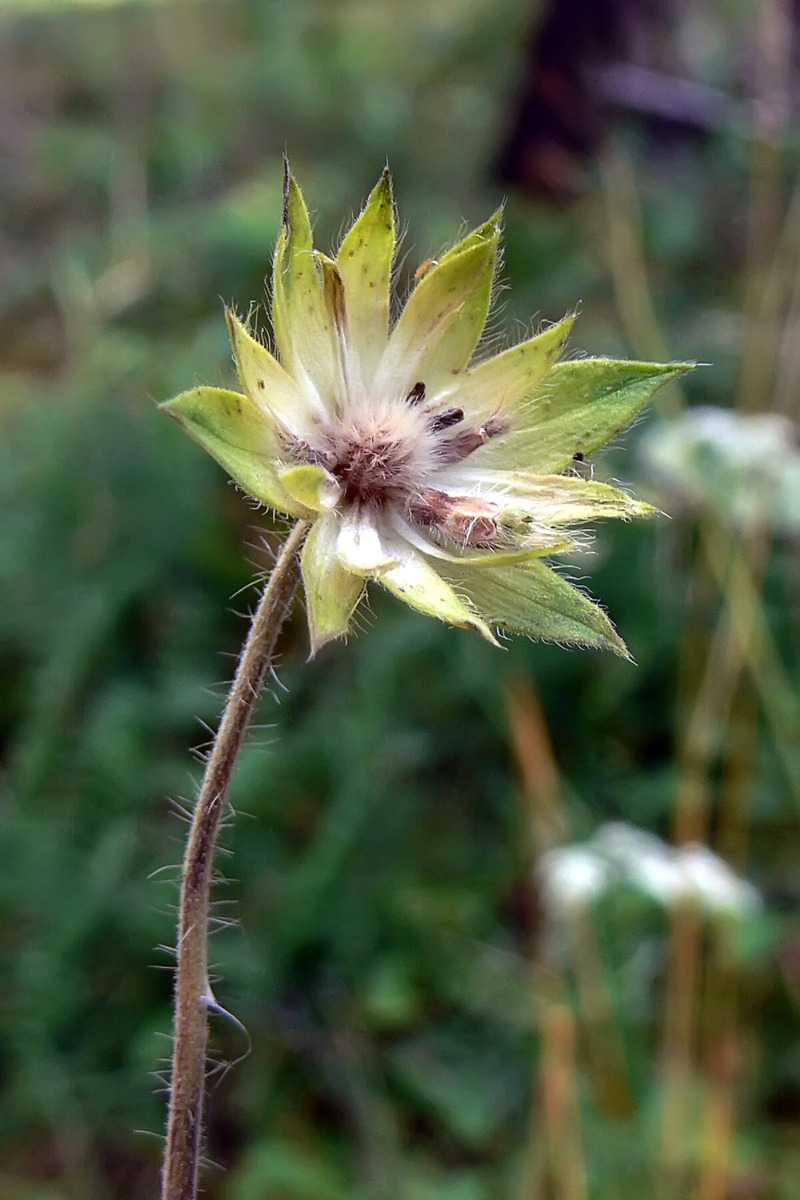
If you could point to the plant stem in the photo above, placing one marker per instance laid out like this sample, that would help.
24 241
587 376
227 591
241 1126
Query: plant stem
193 995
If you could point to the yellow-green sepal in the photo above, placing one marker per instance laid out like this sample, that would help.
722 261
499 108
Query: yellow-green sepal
440 326
312 486
420 585
240 436
568 499
501 382
553 543
301 322
530 598
331 592
456 347
578 407
365 265
262 376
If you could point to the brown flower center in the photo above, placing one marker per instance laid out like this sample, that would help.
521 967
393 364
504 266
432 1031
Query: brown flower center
390 454
373 468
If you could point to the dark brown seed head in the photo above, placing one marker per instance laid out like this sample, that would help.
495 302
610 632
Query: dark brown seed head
446 419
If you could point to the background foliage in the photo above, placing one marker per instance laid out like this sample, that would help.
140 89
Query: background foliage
377 914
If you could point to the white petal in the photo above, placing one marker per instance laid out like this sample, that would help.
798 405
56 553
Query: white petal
502 382
360 547
439 327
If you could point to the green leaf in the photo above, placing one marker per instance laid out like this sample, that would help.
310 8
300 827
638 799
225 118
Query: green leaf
578 407
365 265
530 598
240 436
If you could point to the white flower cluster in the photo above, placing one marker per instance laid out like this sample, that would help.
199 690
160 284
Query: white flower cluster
573 877
743 466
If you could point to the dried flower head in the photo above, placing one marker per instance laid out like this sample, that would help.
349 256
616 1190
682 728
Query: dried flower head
443 479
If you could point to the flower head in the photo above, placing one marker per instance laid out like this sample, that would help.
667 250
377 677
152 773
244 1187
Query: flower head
443 478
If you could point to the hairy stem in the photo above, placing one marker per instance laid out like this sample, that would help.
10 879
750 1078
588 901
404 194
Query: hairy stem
193 995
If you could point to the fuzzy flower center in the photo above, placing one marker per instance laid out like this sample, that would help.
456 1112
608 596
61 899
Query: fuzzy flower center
375 468
385 453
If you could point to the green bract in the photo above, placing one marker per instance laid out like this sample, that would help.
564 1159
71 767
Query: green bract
444 480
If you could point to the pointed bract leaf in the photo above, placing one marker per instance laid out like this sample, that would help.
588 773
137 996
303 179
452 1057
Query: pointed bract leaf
578 407
440 325
501 382
417 583
569 500
550 499
264 379
365 265
302 324
332 593
241 437
530 598
455 349
294 250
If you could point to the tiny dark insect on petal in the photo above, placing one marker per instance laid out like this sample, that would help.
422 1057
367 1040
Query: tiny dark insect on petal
452 416
417 393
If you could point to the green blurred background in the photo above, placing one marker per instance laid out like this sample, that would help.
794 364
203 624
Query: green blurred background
379 923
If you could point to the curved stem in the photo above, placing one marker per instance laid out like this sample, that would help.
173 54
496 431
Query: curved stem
193 994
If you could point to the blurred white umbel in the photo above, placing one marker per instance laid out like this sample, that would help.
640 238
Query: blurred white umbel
619 854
